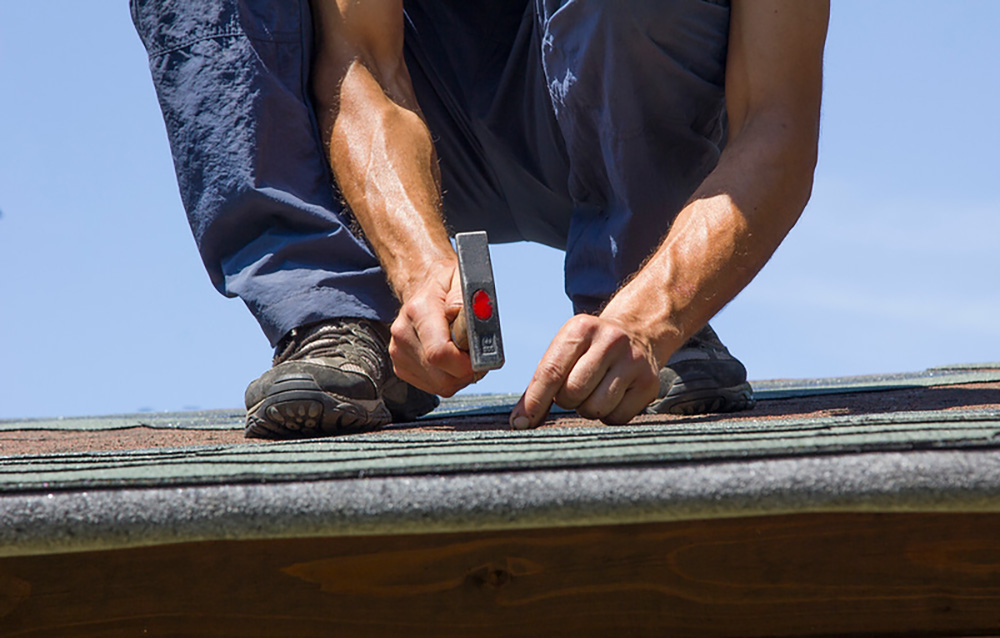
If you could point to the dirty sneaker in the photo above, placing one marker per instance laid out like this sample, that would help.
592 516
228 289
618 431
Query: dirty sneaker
329 378
702 377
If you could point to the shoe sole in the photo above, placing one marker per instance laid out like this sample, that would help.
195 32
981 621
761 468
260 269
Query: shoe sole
295 412
686 400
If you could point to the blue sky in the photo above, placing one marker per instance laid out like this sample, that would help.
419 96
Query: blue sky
104 306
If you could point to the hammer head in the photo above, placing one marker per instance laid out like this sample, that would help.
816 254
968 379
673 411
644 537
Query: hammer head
482 316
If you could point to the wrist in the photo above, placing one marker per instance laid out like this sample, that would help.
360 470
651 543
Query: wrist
410 276
650 317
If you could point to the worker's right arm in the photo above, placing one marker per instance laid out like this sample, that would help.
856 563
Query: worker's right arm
383 160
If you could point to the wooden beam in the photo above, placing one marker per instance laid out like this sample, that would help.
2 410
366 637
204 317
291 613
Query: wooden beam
796 575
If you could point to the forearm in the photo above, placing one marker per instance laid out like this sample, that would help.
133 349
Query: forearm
723 237
745 207
608 367
379 147
384 162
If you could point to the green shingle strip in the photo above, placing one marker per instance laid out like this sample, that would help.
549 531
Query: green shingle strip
475 404
985 365
944 376
414 453
462 405
199 420
919 481
489 404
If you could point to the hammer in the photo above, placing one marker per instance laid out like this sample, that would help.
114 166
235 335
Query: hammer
477 327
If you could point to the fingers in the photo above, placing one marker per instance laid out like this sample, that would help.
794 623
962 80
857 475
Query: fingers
593 373
594 367
619 393
633 403
606 396
623 393
457 320
421 348
423 355
453 300
569 345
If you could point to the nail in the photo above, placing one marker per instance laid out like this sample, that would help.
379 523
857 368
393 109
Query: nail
521 422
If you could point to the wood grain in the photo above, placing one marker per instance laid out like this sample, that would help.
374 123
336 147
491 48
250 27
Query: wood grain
797 575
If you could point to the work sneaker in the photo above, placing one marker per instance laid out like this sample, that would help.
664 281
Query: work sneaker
702 377
329 378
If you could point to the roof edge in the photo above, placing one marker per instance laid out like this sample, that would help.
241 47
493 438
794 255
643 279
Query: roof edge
920 481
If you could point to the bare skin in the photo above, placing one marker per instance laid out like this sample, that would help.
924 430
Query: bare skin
384 162
604 367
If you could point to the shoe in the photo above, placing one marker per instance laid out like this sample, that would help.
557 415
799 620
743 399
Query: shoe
406 402
702 377
330 378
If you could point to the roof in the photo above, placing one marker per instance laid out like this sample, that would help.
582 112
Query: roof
927 441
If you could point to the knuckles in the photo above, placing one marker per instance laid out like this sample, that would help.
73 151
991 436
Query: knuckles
582 325
549 373
617 340
450 389
599 332
616 400
571 396
439 354
429 366
398 329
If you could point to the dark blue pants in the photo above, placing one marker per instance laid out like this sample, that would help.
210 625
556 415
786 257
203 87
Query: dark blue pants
581 124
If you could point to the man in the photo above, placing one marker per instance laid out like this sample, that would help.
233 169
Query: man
667 147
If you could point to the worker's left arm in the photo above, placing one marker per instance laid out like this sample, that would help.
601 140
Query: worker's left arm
606 367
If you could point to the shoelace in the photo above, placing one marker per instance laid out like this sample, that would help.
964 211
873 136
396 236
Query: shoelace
331 339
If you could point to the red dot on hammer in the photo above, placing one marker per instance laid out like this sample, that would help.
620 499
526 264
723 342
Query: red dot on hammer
482 305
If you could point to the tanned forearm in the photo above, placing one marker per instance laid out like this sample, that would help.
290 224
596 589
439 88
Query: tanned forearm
722 238
743 210
379 147
606 367
383 160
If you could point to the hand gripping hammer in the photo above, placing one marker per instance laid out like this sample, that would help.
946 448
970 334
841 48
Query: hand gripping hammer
477 327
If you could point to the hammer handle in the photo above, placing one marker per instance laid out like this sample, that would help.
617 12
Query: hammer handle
477 327
460 331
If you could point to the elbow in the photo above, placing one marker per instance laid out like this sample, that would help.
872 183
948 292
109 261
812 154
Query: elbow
796 147
808 160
